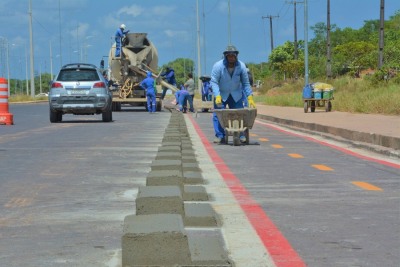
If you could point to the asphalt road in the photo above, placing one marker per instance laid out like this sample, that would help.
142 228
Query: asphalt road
66 188
311 190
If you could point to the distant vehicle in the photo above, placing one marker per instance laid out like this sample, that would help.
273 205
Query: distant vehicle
42 94
79 89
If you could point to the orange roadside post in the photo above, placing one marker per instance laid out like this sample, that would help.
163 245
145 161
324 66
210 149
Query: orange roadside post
5 117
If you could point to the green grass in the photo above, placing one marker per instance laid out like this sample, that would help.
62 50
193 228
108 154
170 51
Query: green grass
24 98
350 95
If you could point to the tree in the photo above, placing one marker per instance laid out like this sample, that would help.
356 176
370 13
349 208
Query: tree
181 66
356 55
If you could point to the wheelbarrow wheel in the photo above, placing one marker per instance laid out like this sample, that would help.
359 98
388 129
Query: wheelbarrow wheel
226 138
247 135
236 138
313 106
305 106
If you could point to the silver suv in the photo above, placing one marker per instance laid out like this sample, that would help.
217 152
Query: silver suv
80 89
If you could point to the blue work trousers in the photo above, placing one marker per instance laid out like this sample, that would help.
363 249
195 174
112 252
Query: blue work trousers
117 47
219 131
151 100
182 101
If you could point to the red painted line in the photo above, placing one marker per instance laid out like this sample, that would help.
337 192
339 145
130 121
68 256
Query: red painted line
275 243
344 150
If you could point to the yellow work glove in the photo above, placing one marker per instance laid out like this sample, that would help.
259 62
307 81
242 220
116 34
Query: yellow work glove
250 100
218 100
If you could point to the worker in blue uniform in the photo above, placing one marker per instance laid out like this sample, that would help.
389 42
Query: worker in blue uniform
229 82
149 85
119 34
169 76
206 91
183 99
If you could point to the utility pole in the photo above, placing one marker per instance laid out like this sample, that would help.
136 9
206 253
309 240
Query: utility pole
31 47
381 33
198 48
296 53
328 41
305 42
229 22
270 29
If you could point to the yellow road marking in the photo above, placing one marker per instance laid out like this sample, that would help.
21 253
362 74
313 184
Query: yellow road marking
296 156
263 139
322 167
18 202
277 146
367 186
253 134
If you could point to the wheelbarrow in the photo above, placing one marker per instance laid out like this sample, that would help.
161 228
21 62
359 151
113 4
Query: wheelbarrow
235 121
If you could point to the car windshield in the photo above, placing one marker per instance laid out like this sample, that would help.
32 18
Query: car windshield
69 75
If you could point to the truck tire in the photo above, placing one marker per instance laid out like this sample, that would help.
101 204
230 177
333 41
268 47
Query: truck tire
159 105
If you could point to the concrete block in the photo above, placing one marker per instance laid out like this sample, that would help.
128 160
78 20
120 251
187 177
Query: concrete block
161 181
188 152
188 159
169 148
199 215
155 240
165 173
191 167
159 199
194 193
207 248
191 177
171 143
166 164
169 155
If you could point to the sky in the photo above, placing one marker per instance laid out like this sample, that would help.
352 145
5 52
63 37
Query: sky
66 31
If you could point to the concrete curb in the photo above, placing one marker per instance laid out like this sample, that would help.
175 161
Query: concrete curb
173 225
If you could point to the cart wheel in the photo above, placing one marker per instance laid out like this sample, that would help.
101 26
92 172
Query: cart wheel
236 138
305 106
329 106
226 137
326 106
247 135
313 106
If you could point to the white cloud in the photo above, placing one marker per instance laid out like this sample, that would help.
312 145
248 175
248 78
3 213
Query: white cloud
133 10
176 34
162 10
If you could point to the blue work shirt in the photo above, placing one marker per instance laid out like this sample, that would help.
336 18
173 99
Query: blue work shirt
225 84
170 76
206 88
148 84
119 34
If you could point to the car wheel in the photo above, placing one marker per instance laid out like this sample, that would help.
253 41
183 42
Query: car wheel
55 116
107 115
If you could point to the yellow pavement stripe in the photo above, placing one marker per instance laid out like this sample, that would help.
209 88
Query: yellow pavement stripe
322 167
253 134
277 146
296 156
367 186
263 139
18 202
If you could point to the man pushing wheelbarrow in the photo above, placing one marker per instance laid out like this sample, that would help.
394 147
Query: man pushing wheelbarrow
231 87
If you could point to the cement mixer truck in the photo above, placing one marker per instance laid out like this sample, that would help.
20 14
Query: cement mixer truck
138 56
